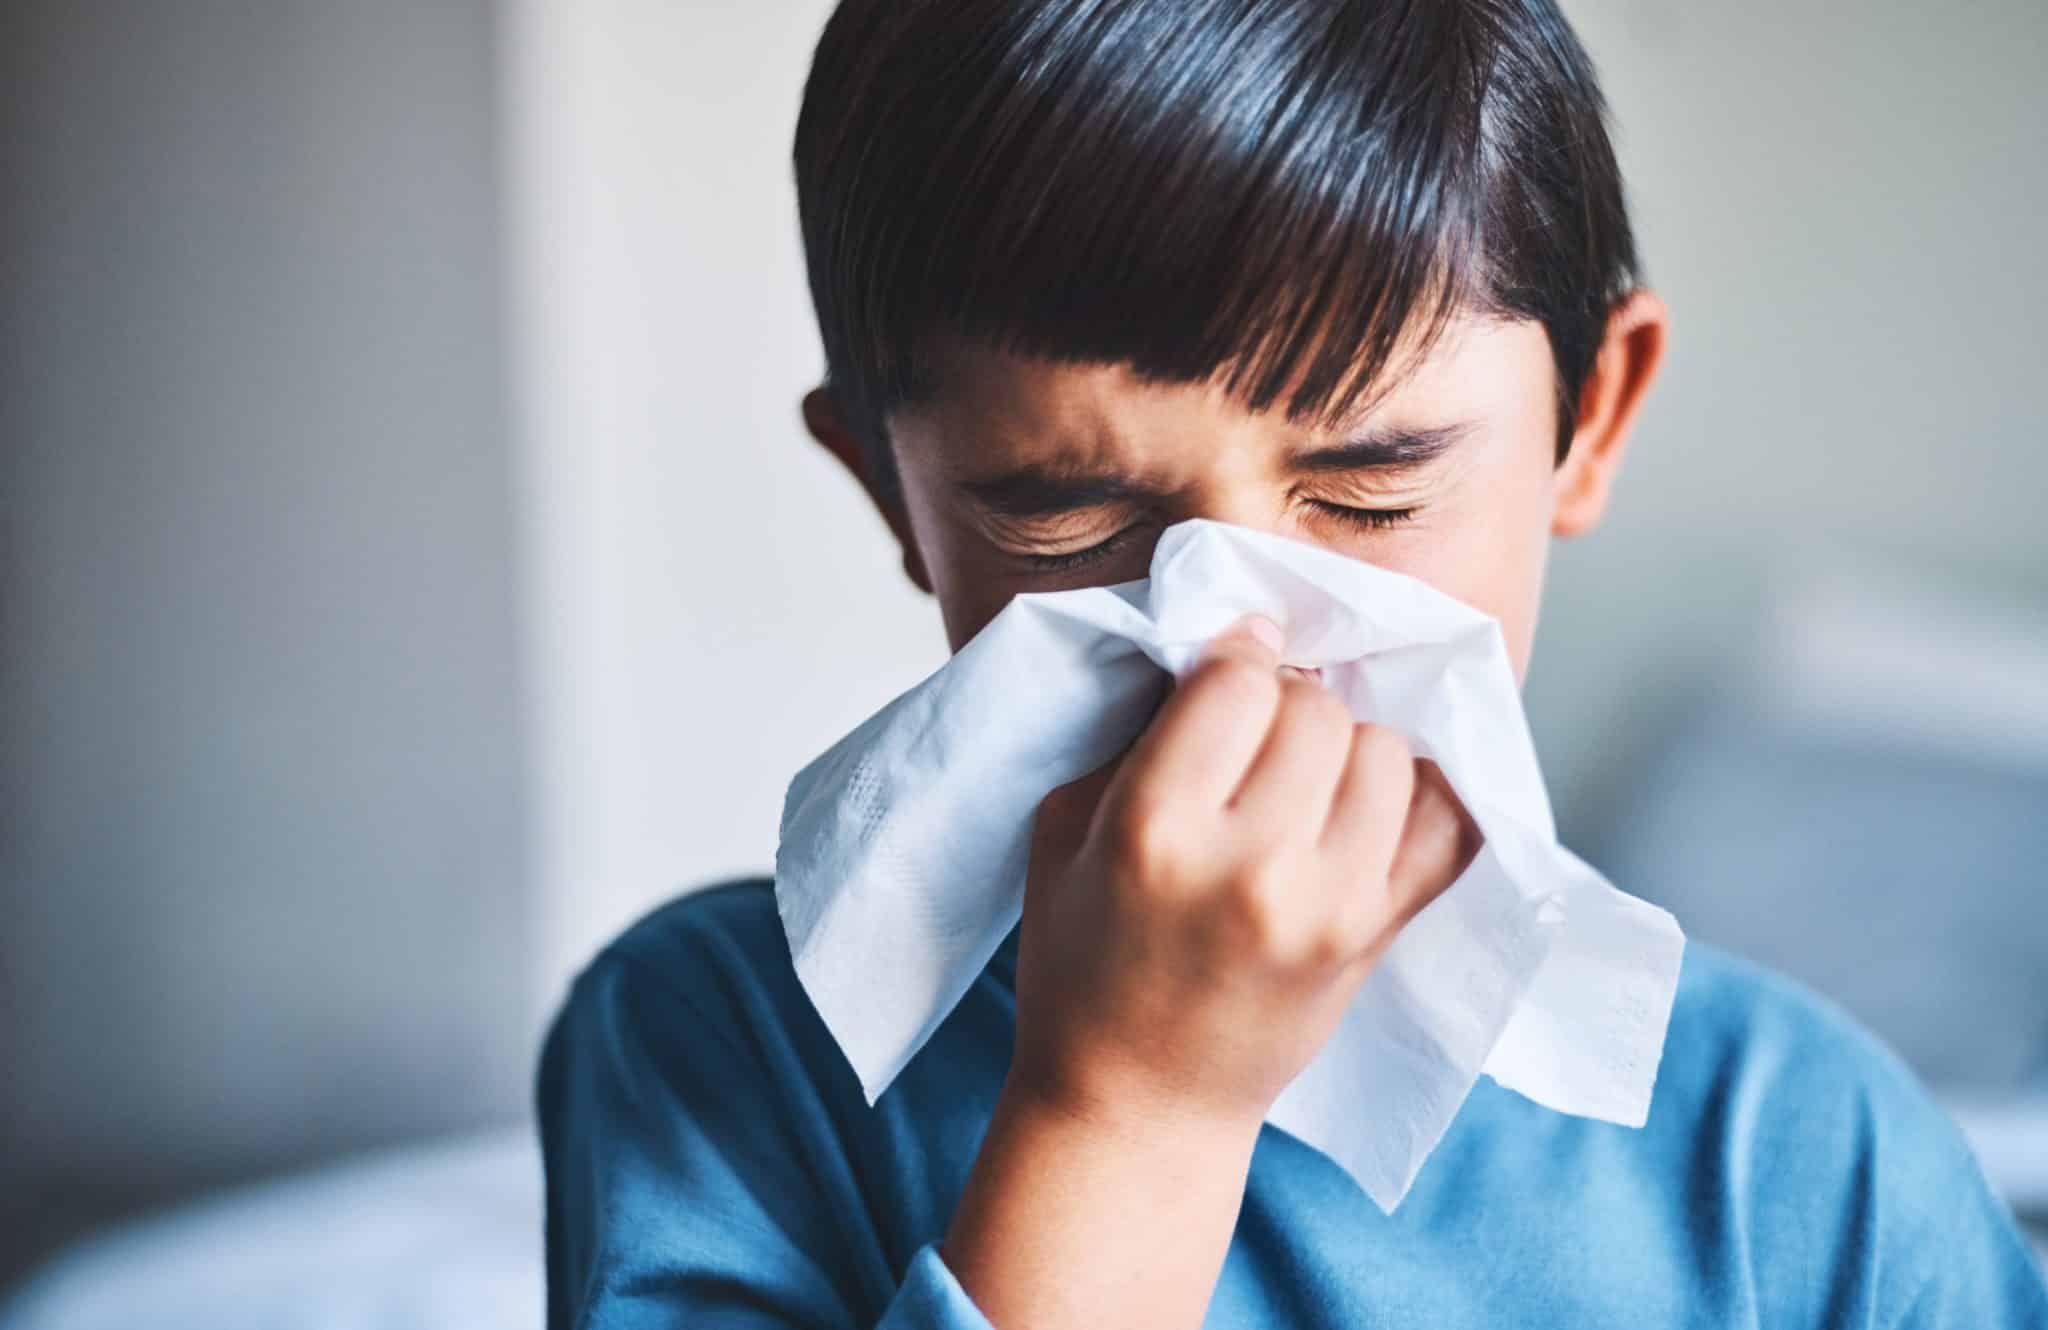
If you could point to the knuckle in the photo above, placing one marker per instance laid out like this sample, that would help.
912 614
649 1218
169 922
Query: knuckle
1362 924
1265 900
1128 832
1320 704
1385 753
1356 921
1384 743
1329 946
1145 839
1232 681
1312 714
1299 694
1251 895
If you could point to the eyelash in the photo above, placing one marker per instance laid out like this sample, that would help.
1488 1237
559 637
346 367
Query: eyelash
1101 549
1368 519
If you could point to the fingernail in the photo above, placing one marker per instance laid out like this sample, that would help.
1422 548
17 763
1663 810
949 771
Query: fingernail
1265 631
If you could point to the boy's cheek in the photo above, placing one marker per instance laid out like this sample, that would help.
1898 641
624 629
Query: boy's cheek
1492 543
1489 557
972 583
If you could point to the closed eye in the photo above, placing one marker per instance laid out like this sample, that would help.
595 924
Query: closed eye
1070 559
1366 519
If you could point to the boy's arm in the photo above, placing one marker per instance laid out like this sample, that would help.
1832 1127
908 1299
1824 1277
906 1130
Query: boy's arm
1102 1215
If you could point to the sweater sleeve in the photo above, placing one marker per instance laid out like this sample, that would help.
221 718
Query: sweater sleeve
930 1298
681 1180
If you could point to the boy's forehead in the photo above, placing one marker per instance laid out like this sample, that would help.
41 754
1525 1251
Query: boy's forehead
1048 411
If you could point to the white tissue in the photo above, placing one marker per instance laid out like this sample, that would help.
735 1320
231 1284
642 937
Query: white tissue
902 857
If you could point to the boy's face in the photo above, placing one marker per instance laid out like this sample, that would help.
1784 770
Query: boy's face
1028 476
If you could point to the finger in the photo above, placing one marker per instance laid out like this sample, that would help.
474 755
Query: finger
1290 782
1371 806
1209 728
1438 843
1254 639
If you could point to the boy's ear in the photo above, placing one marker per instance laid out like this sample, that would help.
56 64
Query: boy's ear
1630 353
825 423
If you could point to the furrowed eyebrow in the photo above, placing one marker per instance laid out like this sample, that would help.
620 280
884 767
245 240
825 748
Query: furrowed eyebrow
1385 449
1034 491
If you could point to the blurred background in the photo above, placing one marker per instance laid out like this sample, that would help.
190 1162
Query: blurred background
412 568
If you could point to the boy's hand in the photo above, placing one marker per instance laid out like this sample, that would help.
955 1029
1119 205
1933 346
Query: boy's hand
1198 914
1196 917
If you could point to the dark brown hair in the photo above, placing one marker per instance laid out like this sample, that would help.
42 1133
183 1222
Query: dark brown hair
1275 191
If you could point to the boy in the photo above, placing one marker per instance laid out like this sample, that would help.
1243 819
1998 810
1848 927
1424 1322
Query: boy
1353 271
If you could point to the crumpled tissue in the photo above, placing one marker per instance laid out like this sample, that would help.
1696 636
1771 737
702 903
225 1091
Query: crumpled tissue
903 849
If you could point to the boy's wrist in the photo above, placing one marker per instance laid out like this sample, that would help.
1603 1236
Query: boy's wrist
1098 1211
1128 1117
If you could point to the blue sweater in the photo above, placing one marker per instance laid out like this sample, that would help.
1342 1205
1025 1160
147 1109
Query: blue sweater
711 1163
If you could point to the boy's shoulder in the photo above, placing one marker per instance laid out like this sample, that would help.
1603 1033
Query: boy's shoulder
702 980
706 980
1733 1013
1740 1029
1778 1090
736 918
718 951
1827 1155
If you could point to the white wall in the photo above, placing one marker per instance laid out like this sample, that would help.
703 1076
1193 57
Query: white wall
710 602
1842 204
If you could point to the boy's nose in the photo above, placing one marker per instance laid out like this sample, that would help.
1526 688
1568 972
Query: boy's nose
1240 505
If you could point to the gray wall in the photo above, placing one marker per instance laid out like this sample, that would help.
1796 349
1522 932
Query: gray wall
261 883
1843 205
